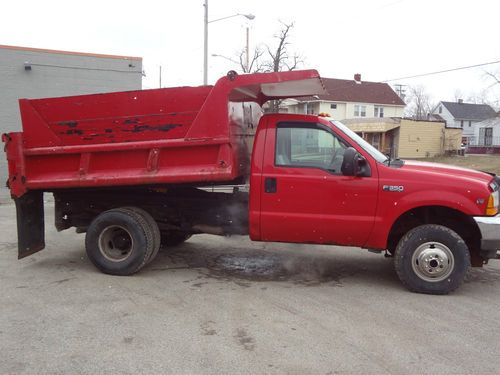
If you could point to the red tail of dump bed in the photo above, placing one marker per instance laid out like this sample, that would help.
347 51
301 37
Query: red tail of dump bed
172 135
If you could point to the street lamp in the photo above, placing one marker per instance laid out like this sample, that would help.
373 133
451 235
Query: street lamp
226 58
205 45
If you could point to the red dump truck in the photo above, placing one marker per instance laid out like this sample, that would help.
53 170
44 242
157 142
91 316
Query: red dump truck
130 169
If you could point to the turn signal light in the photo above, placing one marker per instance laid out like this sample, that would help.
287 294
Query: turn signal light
492 207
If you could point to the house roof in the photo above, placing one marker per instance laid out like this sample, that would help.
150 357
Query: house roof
436 116
469 111
53 51
344 90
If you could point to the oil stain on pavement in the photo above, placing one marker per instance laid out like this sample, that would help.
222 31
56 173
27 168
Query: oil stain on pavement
243 266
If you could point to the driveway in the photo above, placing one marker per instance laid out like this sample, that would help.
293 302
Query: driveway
230 306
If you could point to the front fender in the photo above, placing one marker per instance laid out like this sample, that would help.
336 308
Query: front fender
456 201
391 207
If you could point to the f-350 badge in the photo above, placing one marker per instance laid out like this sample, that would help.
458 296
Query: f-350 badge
393 188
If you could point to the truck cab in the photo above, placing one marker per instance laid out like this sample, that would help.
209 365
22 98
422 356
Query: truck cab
313 180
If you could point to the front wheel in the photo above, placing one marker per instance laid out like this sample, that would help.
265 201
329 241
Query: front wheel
432 259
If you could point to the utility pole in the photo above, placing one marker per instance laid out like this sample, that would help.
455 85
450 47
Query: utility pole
247 52
160 76
205 37
400 90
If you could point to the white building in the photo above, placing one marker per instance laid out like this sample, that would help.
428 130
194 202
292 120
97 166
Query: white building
463 115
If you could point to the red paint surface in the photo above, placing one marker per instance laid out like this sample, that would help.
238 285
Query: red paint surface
172 135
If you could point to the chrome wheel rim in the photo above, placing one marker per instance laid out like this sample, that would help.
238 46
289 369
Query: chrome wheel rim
433 261
115 243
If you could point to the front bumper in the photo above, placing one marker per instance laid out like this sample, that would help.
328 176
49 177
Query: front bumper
490 235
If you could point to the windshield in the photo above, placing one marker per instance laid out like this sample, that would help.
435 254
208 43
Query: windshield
376 154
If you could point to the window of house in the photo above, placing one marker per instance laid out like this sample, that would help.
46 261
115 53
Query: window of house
462 124
359 110
470 124
333 106
378 111
440 109
310 108
308 145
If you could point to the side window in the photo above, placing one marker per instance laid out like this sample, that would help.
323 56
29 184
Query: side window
359 110
308 146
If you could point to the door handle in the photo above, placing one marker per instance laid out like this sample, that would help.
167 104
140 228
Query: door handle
270 185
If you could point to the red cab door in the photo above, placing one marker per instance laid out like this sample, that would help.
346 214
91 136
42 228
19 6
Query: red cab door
305 198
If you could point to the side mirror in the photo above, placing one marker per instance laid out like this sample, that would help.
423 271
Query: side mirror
354 164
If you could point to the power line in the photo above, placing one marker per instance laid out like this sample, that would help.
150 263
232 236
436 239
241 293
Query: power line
442 71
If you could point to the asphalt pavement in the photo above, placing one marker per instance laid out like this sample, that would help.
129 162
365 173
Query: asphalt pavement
229 306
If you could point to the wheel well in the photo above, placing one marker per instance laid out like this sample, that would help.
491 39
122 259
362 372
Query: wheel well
457 221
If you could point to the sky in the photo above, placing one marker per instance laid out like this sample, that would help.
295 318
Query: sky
380 39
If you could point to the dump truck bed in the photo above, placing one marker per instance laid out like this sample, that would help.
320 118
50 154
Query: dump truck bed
161 136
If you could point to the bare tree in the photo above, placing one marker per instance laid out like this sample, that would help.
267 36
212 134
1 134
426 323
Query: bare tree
280 57
483 96
495 77
480 97
419 103
272 58
491 92
256 65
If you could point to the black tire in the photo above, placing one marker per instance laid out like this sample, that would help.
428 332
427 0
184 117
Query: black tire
119 242
174 238
432 259
153 225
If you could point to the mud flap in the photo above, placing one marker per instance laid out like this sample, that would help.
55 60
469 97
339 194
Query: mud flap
30 223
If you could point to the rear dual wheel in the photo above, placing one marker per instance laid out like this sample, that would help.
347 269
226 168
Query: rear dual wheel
121 241
154 229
